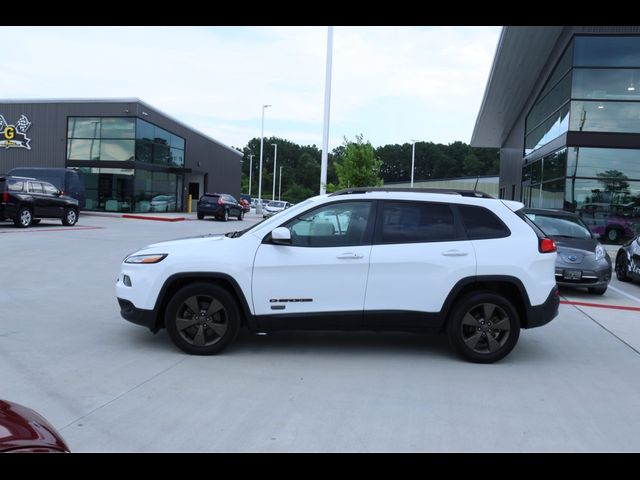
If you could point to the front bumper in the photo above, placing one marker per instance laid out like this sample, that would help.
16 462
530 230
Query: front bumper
146 318
542 314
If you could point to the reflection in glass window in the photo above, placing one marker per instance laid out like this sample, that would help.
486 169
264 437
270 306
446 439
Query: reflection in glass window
559 95
83 149
113 127
161 154
552 194
563 66
536 172
334 225
177 142
604 83
603 51
555 165
83 127
144 130
550 129
595 162
597 116
144 151
116 149
177 157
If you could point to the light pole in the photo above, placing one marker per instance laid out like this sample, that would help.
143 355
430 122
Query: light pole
280 184
327 107
413 159
259 204
250 162
275 159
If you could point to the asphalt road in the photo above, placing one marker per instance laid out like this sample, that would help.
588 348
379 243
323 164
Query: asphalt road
111 386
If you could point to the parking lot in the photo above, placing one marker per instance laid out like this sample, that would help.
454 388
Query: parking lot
111 386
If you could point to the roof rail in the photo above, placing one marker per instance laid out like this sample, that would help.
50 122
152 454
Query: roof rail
450 191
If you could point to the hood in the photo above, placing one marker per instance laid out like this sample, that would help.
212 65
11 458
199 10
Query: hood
21 427
185 242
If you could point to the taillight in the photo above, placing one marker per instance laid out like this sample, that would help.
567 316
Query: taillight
5 197
220 202
547 245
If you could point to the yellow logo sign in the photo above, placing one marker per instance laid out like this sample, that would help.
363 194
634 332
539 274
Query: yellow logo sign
15 136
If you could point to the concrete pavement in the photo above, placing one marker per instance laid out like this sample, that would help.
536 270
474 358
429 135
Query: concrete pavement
111 386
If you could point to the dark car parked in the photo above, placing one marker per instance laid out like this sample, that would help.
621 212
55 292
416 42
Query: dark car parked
582 261
628 261
70 181
26 200
219 205
22 430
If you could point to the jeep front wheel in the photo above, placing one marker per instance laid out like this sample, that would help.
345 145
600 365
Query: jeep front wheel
202 319
484 327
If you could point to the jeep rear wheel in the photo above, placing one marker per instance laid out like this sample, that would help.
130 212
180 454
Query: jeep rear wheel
202 319
484 327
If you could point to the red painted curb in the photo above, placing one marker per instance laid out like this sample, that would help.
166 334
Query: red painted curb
160 219
599 305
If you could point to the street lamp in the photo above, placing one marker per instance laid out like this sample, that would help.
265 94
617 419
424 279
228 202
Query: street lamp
275 159
413 159
259 204
250 163
280 184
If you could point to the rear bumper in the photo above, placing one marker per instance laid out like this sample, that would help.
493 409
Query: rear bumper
542 314
146 318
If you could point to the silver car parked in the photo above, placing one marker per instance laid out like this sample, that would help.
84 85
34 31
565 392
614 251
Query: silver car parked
582 261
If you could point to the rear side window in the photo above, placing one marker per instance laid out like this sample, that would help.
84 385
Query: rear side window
481 223
15 186
35 187
416 222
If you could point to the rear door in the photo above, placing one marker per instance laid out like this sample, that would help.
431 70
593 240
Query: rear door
420 252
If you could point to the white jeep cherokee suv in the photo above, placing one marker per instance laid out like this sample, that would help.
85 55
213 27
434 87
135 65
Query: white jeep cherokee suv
358 259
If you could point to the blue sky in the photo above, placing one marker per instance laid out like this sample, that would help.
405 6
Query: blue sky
391 84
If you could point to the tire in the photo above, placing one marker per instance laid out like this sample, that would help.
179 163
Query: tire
597 290
622 268
226 215
241 215
70 217
613 235
202 332
24 219
200 216
469 329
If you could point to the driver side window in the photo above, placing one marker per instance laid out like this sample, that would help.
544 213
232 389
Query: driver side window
335 225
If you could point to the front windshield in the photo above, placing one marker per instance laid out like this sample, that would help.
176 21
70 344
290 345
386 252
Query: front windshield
271 220
556 226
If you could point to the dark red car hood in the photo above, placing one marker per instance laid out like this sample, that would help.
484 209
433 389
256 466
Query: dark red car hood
23 429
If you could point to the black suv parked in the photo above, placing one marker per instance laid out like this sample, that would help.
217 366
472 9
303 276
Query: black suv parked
219 205
26 200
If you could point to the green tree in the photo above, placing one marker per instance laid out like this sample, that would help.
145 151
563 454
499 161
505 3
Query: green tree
357 166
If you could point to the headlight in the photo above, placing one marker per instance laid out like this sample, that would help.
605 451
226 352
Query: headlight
151 258
600 252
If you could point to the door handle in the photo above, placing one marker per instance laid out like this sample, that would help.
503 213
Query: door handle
349 255
455 253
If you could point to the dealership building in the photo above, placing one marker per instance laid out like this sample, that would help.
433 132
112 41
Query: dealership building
563 106
133 157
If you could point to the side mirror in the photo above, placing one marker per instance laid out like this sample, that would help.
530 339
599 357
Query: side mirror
281 236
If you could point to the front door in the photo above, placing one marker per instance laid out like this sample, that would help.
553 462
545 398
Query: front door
323 270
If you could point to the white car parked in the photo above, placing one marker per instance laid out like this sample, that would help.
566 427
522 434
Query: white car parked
275 206
359 259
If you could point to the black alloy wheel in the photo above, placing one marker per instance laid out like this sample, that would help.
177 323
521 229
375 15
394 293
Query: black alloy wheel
202 319
484 327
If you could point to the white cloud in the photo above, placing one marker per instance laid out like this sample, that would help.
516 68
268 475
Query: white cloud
216 79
